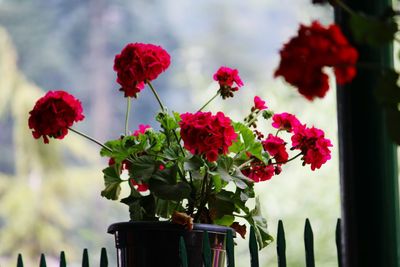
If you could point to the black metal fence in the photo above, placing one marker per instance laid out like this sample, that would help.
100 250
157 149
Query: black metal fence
207 254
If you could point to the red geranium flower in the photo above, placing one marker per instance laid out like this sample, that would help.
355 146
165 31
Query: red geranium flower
227 77
206 134
304 57
276 147
139 63
258 171
285 121
313 145
259 103
53 114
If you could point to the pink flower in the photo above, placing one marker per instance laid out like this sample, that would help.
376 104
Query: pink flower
275 146
206 134
53 114
137 64
142 129
259 103
285 121
313 145
227 77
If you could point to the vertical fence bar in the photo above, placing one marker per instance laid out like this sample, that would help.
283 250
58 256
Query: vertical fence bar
309 244
281 245
182 252
85 258
20 263
42 261
206 250
103 258
339 242
63 262
253 247
230 249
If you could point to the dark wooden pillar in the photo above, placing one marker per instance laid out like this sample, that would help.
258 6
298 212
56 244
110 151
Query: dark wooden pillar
368 160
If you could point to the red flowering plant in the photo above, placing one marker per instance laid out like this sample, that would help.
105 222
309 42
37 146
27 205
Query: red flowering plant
200 166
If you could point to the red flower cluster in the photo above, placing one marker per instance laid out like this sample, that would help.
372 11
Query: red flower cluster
285 121
227 77
206 134
313 145
311 142
137 64
304 57
258 171
53 114
276 147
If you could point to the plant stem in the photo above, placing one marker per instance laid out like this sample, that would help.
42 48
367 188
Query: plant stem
344 7
128 108
90 138
203 198
254 119
209 101
288 159
156 95
244 164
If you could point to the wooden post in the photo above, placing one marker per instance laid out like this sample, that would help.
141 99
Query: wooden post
368 160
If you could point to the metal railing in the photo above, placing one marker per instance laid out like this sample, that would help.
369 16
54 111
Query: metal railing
207 254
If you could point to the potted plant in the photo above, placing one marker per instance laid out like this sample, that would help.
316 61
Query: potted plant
198 169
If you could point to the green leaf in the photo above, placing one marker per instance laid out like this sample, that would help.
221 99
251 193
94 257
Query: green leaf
172 152
177 192
388 91
168 122
165 208
246 141
225 176
371 30
193 163
222 204
259 223
112 183
218 185
143 167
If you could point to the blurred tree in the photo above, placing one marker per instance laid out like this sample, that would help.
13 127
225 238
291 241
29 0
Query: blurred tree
34 200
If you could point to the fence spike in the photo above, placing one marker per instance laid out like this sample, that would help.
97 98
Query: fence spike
309 244
281 245
182 252
42 261
230 249
103 258
20 263
85 258
206 250
253 247
63 262
339 242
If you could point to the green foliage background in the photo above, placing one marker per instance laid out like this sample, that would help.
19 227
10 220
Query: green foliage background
50 194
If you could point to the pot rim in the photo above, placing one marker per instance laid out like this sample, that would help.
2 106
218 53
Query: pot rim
167 226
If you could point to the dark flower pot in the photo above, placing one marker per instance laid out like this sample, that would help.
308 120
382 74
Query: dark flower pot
156 244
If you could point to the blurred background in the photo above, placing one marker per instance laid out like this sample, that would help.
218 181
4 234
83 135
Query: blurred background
50 194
